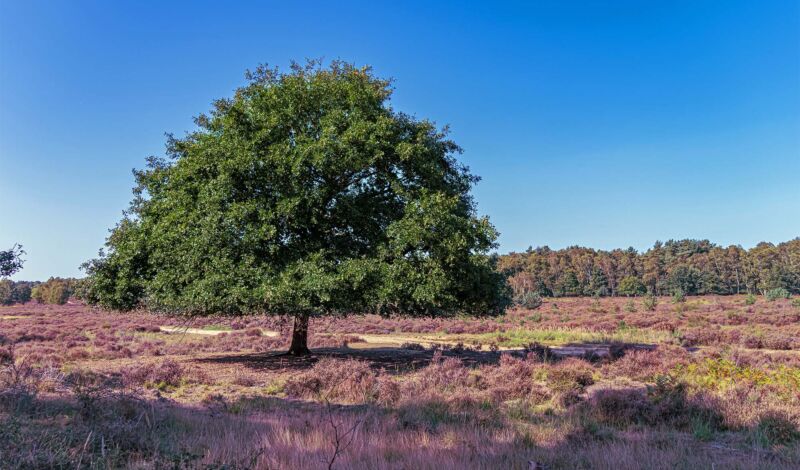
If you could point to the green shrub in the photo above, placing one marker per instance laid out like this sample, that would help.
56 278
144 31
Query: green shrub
630 306
796 303
650 302
529 299
750 299
631 286
775 294
678 297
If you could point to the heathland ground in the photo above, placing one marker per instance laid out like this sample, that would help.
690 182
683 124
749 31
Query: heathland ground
711 382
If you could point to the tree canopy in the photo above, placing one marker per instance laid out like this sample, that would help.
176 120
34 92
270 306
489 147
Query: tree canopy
693 267
11 260
304 194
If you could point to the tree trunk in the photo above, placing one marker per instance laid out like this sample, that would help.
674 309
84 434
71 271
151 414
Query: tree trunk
299 345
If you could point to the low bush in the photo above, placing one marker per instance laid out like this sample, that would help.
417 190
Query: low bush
776 428
164 376
650 302
618 407
568 379
529 299
348 380
777 294
443 374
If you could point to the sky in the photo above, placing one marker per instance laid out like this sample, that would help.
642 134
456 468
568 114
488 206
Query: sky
602 124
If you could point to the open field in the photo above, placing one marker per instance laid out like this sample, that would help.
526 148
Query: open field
709 383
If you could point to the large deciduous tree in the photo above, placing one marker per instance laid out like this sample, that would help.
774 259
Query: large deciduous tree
305 194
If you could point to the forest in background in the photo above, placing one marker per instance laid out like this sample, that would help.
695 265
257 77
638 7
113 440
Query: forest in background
690 267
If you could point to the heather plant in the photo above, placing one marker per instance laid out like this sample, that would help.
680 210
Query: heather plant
775 428
443 374
19 381
331 379
512 378
618 406
568 379
163 376
479 409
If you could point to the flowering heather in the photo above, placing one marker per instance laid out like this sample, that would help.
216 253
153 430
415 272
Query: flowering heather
88 388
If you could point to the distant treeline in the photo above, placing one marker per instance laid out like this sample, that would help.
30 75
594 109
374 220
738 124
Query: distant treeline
692 267
55 290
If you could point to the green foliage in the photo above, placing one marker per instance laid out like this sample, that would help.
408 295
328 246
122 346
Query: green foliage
630 306
14 292
22 292
650 302
776 294
796 303
529 300
750 299
685 279
697 267
11 260
776 429
6 292
678 297
631 286
304 193
598 284
55 291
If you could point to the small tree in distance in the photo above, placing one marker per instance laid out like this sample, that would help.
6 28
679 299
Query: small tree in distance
631 286
304 195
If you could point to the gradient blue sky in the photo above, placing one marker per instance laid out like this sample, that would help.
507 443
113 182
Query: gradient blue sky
605 126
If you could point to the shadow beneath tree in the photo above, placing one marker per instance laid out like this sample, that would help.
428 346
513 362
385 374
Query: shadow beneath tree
389 359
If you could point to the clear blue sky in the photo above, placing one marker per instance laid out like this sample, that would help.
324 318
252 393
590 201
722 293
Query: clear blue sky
605 126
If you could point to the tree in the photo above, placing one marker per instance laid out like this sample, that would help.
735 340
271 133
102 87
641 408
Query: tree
55 291
305 194
569 285
6 292
11 260
684 279
631 286
598 284
21 292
